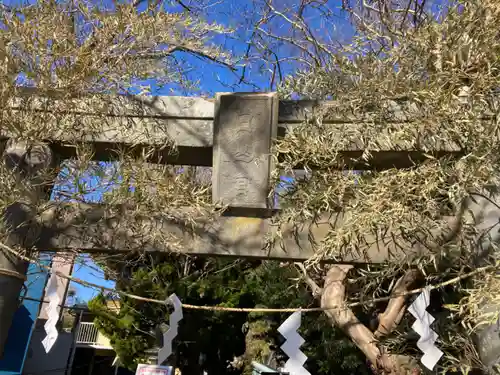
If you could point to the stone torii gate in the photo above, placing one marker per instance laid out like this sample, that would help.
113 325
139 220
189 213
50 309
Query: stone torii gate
233 134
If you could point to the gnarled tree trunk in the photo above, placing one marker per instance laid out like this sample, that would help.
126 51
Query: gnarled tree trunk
332 297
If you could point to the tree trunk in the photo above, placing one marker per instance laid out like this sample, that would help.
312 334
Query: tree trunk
342 316
332 297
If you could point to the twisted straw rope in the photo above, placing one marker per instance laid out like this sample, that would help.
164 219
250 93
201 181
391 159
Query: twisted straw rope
248 309
11 273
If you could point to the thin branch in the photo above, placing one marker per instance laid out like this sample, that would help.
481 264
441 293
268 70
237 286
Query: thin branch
391 317
315 288
344 318
138 2
170 51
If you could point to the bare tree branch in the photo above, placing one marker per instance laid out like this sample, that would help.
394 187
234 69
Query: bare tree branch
315 288
344 318
391 317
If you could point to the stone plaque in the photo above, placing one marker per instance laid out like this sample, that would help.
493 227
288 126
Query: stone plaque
244 126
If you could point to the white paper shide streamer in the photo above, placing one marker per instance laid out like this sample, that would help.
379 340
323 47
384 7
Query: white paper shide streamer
291 347
52 313
168 337
422 326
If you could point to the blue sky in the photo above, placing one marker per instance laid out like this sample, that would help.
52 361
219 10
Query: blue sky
214 78
238 15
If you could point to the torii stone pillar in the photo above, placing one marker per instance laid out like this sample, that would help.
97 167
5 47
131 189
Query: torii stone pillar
28 162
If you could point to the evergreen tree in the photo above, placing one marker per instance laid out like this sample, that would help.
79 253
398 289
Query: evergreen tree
229 341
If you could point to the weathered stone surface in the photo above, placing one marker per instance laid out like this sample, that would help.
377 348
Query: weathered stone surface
120 105
244 128
93 228
293 111
135 124
29 161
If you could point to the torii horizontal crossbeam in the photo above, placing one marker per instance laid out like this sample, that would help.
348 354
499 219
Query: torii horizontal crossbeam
133 124
233 134
94 228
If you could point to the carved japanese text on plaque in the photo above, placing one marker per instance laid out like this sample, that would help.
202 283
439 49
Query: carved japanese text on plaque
244 127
